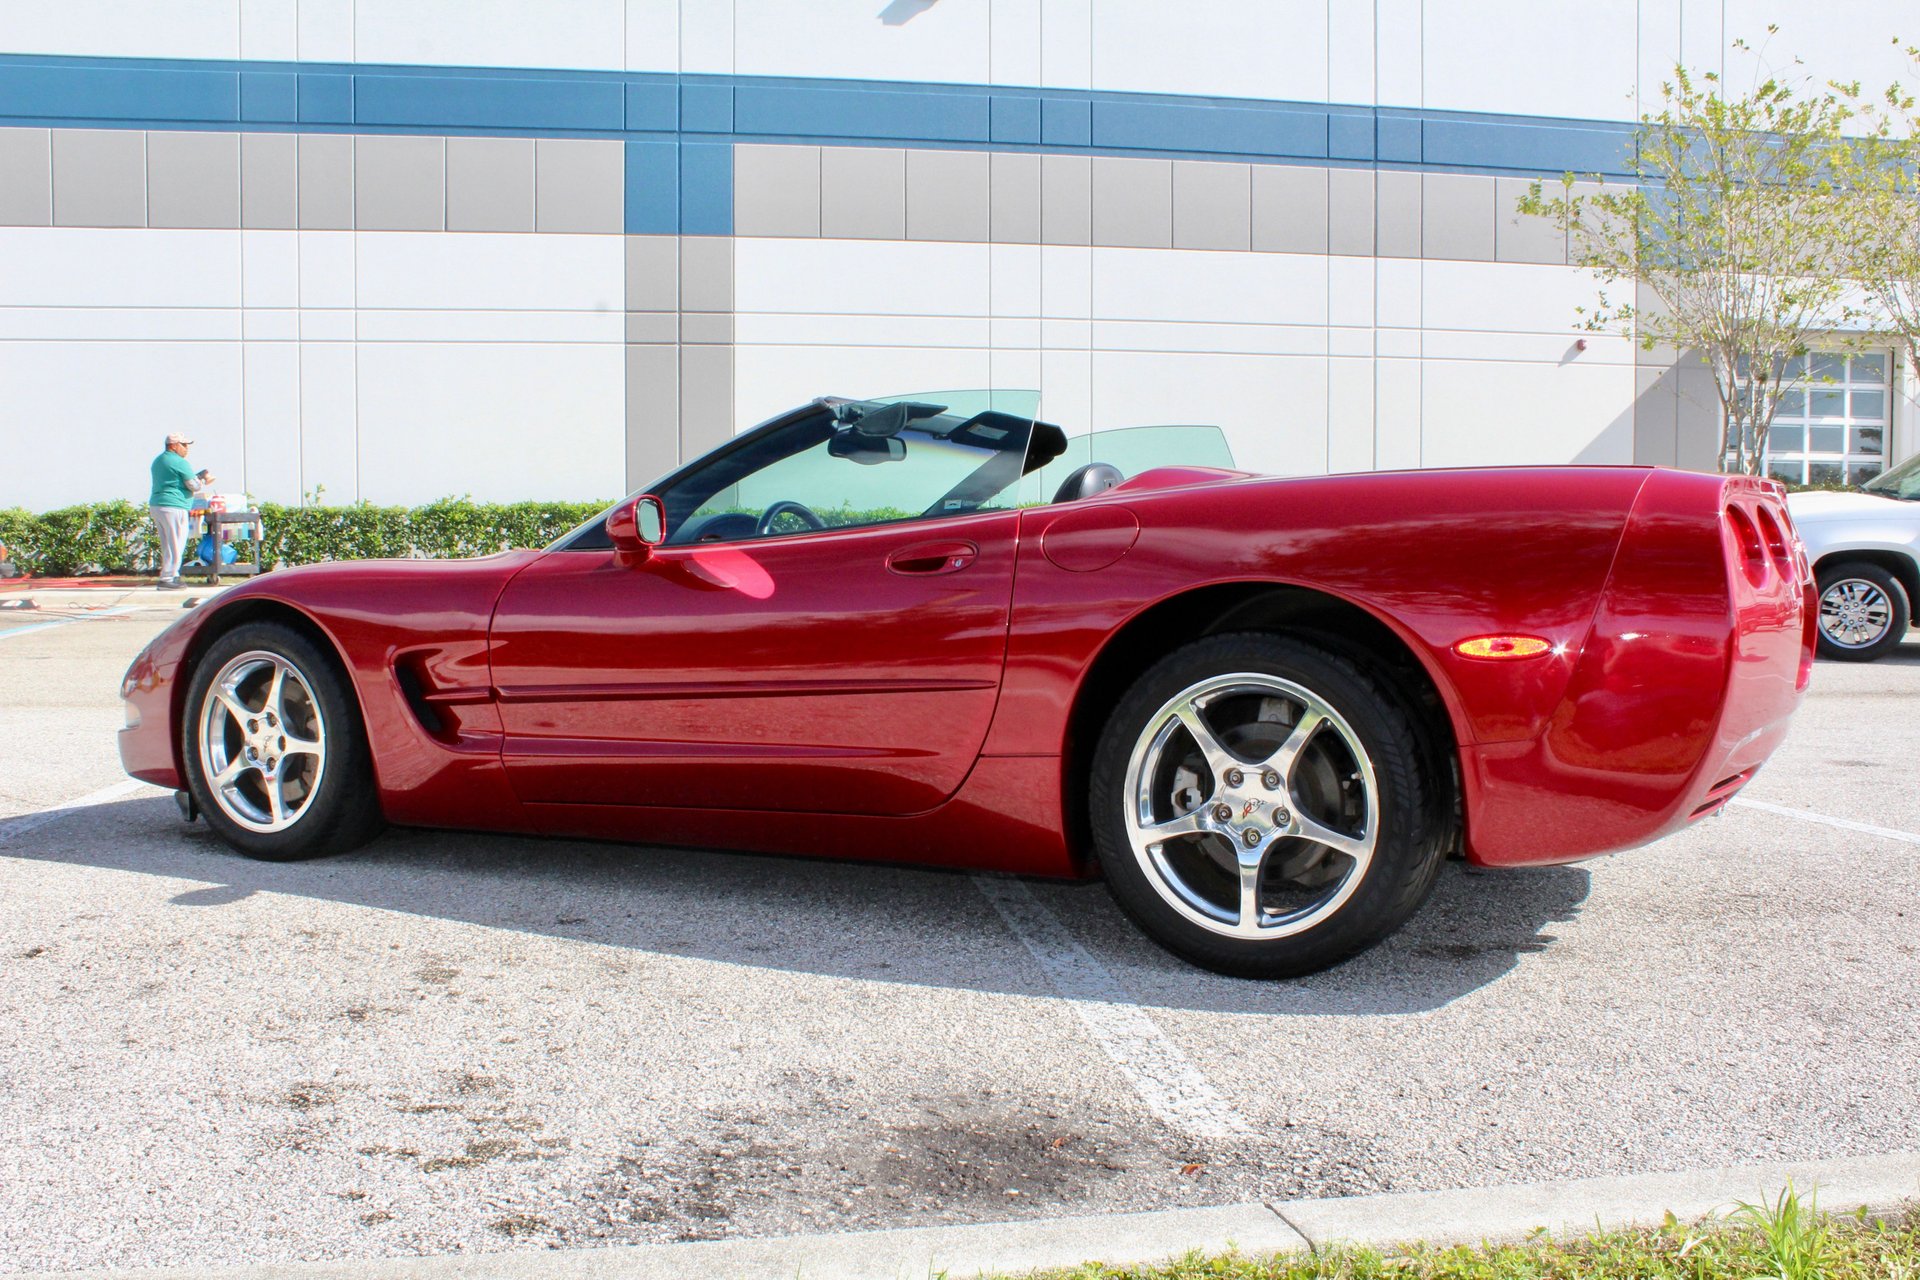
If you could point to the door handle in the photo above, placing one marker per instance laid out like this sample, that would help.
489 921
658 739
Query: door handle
933 557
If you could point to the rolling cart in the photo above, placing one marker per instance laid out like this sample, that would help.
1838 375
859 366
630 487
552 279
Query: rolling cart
217 522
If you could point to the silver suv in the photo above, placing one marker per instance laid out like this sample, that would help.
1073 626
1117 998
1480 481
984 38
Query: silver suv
1865 548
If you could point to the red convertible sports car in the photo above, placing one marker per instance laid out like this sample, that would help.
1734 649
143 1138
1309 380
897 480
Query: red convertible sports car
936 630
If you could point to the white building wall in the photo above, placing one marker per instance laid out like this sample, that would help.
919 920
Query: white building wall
1519 57
400 318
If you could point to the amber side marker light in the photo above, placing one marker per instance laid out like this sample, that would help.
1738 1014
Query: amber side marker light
1502 647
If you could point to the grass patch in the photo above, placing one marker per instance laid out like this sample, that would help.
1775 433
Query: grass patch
1787 1238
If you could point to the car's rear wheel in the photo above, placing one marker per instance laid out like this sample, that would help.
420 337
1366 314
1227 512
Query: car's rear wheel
1864 611
275 755
1259 807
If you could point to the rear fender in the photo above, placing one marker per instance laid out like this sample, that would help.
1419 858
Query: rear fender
1695 660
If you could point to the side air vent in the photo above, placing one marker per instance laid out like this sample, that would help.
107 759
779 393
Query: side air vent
416 694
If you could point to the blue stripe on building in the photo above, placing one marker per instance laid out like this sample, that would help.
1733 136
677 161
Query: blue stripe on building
680 128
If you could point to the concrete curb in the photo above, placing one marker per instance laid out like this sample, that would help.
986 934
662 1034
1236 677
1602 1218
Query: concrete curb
1438 1217
1564 1208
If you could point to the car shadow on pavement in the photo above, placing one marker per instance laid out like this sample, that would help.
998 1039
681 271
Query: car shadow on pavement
837 919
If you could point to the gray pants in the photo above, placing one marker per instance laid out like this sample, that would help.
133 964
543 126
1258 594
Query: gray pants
172 525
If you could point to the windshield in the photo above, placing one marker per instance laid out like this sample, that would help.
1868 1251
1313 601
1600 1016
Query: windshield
839 464
1902 481
856 462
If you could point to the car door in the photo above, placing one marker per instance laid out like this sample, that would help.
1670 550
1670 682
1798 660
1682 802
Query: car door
851 668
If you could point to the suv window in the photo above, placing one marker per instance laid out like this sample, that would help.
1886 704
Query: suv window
1902 481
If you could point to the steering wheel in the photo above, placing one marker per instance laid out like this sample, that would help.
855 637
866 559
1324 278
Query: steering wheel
784 507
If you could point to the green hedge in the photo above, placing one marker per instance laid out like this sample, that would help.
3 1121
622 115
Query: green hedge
118 537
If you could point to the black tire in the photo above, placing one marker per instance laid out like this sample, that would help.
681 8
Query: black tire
1409 808
1862 577
343 811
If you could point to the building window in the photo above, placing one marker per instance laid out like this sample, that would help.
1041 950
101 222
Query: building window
1832 426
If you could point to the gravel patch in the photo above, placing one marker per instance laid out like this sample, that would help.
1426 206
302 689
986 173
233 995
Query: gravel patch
460 1043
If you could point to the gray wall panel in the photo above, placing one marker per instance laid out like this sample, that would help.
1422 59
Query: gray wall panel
1290 208
26 178
706 273
1014 198
1350 201
1581 190
776 191
1518 237
99 178
1699 430
1655 417
653 326
863 193
580 185
193 179
706 398
399 184
1397 214
1457 216
1647 303
653 273
1133 202
490 184
1212 205
706 326
326 181
653 413
947 195
1066 200
269 182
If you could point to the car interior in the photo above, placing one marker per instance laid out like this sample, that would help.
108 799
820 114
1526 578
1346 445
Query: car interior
841 463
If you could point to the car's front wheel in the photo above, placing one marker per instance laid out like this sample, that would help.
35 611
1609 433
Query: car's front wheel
275 756
1864 611
1260 808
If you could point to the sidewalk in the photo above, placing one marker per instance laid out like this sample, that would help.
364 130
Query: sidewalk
117 582
1437 1217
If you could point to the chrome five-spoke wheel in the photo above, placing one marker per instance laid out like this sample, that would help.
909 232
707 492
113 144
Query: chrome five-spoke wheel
1267 808
1253 806
273 745
263 741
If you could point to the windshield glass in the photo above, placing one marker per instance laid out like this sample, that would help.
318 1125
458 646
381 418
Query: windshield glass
851 463
1902 481
838 464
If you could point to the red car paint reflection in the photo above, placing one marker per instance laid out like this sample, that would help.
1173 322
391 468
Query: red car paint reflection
803 694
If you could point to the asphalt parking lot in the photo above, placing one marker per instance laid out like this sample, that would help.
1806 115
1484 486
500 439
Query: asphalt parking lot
451 1042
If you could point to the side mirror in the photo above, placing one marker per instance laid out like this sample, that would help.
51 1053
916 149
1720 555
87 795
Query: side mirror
636 527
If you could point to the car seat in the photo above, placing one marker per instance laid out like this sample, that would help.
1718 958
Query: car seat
1086 482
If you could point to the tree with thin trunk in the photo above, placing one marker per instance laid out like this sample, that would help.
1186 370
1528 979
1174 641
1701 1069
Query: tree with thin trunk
1882 173
1732 221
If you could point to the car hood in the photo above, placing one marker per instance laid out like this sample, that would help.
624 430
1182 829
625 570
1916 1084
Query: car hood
389 589
1845 506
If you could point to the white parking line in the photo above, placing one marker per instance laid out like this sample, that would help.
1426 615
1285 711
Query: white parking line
1163 1076
1847 824
63 621
34 821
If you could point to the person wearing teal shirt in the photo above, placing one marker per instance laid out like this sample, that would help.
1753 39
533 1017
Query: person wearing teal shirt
174 484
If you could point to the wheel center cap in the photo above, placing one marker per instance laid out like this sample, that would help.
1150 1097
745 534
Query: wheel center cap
1254 813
